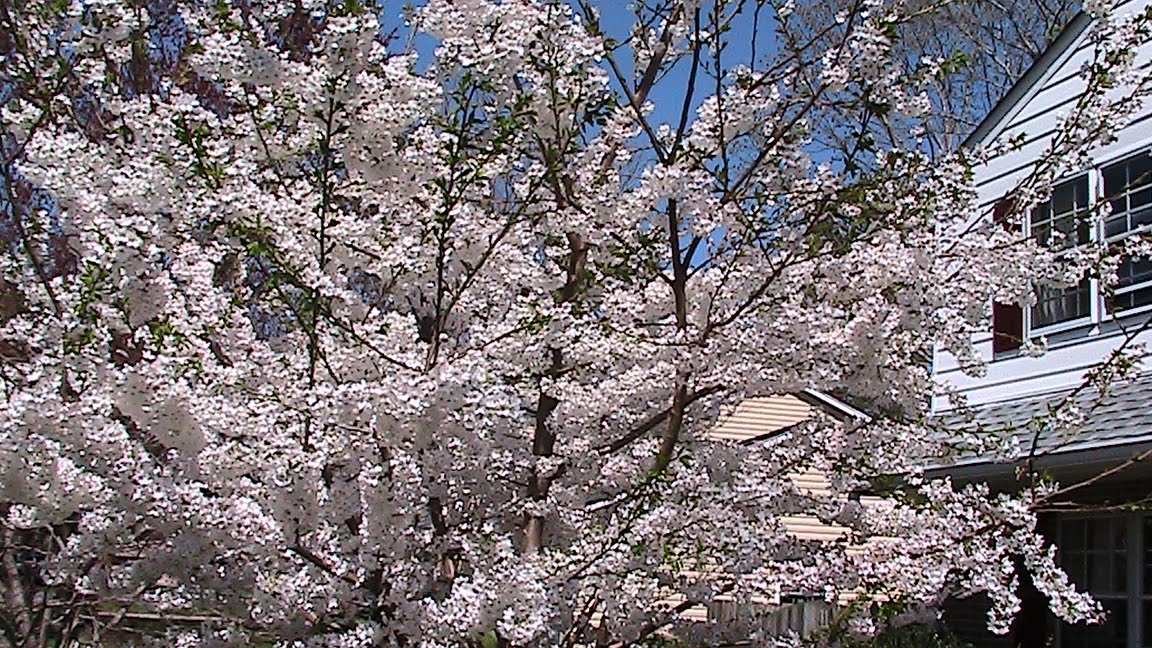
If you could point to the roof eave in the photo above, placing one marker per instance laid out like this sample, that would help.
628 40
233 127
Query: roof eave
834 406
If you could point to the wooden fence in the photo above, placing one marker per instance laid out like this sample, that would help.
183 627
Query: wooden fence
801 617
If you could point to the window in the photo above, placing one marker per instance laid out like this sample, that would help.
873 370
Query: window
1059 305
1128 188
1111 558
1063 222
1071 218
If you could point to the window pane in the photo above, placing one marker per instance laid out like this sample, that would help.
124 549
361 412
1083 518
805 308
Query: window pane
1140 198
1134 270
1140 170
1130 299
1106 573
1066 212
1041 220
1147 613
1142 215
1115 226
1080 185
1100 534
1062 197
1115 627
1045 312
1072 534
1115 182
1119 573
1099 566
1113 633
1093 551
1073 564
1066 226
1128 187
1042 232
1082 228
1055 305
1073 229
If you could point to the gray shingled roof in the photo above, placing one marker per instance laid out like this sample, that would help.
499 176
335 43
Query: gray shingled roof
1123 416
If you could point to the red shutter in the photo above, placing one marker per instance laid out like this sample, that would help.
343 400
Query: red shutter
1007 327
1007 319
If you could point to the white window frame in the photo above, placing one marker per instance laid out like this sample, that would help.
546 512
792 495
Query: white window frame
1094 302
1098 312
1144 149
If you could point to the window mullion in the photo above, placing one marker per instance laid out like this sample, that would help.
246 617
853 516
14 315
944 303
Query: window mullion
1028 219
1095 191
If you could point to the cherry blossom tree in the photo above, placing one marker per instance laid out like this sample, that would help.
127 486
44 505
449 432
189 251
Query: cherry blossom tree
323 323
987 45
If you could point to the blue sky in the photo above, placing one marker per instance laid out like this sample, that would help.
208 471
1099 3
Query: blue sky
617 18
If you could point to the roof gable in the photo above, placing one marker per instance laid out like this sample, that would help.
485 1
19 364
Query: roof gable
1029 83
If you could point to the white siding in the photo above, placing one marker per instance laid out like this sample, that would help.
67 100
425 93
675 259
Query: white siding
1036 117
1061 368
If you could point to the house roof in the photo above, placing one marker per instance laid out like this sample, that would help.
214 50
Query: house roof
1029 83
1122 417
760 418
835 407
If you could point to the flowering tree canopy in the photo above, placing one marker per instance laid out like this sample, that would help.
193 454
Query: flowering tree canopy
327 324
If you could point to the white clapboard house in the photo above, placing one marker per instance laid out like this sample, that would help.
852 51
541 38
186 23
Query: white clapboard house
1104 531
